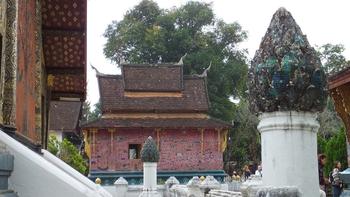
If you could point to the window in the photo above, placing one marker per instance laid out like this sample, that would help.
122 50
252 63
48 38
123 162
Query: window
134 151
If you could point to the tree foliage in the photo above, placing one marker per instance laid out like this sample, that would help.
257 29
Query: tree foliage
334 148
332 58
330 123
67 152
149 34
331 137
89 114
244 140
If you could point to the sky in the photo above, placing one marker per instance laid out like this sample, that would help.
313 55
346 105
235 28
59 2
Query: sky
323 21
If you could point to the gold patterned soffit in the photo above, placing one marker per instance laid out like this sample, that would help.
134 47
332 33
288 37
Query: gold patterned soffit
344 91
155 115
340 107
152 94
50 80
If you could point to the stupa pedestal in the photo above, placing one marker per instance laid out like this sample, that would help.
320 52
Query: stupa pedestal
289 150
287 87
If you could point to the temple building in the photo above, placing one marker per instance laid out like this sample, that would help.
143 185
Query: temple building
158 101
43 60
64 121
42 65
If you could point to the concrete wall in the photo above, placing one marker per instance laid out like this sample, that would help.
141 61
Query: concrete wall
179 149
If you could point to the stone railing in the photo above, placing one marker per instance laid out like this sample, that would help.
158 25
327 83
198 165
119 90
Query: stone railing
196 187
234 186
223 193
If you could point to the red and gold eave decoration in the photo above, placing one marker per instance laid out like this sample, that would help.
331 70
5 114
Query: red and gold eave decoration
64 46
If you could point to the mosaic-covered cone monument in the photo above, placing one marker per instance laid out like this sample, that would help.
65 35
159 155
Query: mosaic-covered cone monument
287 87
286 72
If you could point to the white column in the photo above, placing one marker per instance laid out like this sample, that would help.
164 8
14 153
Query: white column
289 150
149 180
149 176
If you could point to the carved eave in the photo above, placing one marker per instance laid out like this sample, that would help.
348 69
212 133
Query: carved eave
339 88
340 78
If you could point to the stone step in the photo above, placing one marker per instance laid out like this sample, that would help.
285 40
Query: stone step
7 193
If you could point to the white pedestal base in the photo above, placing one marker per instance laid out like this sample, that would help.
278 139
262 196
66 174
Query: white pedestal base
289 150
149 180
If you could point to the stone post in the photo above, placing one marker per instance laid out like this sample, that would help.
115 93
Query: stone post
194 187
150 176
149 157
170 182
121 185
209 183
6 167
287 87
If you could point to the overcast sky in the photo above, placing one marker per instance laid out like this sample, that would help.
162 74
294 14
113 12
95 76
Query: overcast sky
323 21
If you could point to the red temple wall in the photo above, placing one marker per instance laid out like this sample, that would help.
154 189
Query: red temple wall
26 71
179 149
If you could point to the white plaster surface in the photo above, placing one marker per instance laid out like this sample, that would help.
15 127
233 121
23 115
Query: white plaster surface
121 186
2 147
150 180
150 176
289 150
132 190
35 176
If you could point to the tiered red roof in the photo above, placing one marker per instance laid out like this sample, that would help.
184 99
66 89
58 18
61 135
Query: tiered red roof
190 92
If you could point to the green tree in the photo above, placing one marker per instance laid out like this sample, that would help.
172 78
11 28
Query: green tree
149 34
54 145
97 112
68 153
335 150
330 123
332 58
244 140
331 137
88 114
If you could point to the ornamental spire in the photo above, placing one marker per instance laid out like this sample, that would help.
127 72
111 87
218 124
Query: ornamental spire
286 73
149 152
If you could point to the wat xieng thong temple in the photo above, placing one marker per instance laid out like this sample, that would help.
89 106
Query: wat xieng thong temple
158 101
43 60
